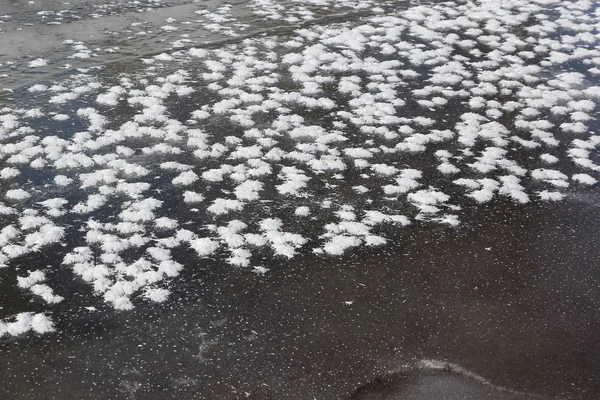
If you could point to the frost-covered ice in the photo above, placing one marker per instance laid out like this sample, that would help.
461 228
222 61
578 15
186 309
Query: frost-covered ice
318 142
39 62
25 322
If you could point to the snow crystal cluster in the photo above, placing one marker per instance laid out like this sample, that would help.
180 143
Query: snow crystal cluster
25 322
316 142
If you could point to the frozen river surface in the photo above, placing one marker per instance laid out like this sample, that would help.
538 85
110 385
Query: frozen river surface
299 200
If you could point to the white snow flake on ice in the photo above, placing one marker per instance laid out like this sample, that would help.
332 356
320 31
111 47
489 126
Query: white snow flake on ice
38 62
25 322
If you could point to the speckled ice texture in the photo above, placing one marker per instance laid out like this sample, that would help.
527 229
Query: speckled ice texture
314 137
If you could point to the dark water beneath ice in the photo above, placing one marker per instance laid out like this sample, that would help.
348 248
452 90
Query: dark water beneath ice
511 299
